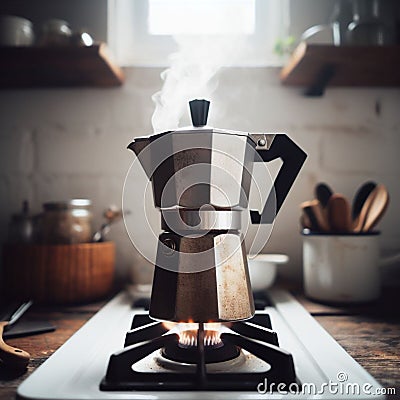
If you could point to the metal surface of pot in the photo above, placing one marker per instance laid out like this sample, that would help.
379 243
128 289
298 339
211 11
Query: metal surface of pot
191 168
184 222
221 292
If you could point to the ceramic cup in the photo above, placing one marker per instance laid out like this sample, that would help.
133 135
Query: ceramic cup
341 268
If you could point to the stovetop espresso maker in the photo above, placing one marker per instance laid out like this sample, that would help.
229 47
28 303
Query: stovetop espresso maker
201 179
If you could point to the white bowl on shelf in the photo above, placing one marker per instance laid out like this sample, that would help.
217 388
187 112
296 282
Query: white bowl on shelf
263 269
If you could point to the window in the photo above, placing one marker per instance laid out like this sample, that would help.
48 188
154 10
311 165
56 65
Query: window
144 32
194 17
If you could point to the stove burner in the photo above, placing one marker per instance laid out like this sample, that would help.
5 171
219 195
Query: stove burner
188 353
147 337
189 338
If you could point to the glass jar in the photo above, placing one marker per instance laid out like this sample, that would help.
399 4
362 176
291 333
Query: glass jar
66 222
368 26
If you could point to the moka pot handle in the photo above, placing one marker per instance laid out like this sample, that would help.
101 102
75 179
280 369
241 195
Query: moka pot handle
271 147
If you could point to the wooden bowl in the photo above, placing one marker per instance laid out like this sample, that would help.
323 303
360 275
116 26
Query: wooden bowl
58 274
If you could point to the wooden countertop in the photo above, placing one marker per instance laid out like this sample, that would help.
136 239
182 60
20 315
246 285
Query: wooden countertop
370 334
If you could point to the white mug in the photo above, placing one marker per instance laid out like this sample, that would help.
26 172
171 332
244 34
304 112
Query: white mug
342 268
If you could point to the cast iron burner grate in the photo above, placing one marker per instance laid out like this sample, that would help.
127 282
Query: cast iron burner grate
148 337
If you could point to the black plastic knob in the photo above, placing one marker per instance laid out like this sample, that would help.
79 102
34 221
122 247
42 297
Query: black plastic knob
199 111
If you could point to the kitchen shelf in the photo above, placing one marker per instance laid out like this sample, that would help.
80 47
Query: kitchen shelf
66 66
317 66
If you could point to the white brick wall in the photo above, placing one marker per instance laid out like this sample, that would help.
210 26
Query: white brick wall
57 144
18 151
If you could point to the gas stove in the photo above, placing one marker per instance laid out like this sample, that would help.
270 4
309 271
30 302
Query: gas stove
123 354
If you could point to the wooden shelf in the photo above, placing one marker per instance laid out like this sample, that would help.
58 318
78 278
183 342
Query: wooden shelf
24 67
316 66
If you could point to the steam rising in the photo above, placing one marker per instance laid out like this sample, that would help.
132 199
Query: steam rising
192 74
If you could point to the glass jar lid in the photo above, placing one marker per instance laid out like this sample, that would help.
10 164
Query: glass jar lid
67 204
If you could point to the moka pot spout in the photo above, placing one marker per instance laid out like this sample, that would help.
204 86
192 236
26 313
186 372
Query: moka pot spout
138 146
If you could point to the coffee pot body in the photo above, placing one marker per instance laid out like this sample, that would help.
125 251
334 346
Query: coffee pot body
201 178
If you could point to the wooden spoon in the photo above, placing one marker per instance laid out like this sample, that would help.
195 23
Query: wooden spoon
316 215
10 356
323 193
305 222
359 224
377 208
339 215
359 199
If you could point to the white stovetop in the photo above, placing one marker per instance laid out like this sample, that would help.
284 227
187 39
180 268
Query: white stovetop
75 370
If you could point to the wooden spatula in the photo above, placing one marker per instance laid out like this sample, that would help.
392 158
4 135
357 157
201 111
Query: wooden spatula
316 215
323 193
10 356
378 206
305 222
359 199
339 213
